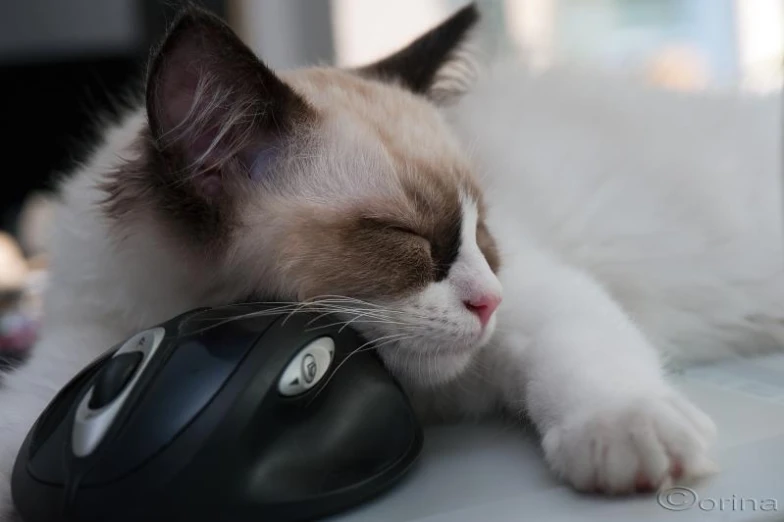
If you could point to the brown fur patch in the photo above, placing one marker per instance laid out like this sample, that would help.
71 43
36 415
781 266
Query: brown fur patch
437 205
322 224
484 239
359 257
365 250
146 187
390 247
488 246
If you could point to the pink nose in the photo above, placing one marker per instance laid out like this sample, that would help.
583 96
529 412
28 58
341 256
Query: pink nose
483 307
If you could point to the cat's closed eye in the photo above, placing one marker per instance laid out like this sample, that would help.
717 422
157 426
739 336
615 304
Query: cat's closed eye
394 227
405 230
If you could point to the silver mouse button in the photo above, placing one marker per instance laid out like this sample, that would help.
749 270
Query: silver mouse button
94 415
307 368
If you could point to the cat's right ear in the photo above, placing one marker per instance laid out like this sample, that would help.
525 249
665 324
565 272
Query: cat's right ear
438 64
213 107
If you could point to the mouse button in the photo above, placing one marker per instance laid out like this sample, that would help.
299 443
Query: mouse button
145 342
377 426
50 432
237 317
307 367
184 385
46 456
361 428
91 425
55 413
48 464
228 342
367 424
113 378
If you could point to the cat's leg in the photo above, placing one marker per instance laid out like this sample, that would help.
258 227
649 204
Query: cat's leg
569 357
59 355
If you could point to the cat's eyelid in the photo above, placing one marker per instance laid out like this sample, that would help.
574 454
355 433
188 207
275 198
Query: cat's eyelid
394 225
404 228
386 223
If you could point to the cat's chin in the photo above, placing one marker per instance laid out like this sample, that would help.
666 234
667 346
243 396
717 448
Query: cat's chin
426 368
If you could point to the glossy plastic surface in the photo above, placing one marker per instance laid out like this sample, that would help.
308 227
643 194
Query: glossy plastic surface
206 435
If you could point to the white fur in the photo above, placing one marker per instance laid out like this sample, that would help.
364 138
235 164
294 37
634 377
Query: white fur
632 223
671 201
630 220
88 307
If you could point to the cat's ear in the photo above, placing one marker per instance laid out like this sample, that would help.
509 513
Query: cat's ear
437 64
213 106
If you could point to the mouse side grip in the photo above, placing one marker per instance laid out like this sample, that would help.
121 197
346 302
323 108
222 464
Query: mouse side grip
341 448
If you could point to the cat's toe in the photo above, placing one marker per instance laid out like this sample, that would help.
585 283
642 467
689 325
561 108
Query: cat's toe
639 446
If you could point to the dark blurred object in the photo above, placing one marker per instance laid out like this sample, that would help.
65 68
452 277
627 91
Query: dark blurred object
61 63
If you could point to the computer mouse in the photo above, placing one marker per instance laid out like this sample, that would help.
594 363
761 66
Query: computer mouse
238 413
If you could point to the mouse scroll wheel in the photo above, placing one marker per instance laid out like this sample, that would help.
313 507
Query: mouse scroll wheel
113 378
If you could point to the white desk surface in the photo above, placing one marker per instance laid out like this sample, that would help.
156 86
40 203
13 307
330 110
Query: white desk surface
494 473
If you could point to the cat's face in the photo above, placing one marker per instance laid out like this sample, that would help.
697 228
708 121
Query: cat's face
341 187
384 209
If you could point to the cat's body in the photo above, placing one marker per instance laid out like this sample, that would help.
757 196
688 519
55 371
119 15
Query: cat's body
625 220
673 201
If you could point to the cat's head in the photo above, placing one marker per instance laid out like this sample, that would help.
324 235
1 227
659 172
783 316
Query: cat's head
317 182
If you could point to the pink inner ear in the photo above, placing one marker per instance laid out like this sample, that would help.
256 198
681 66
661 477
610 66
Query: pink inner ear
200 148
207 158
188 114
177 93
209 89
204 158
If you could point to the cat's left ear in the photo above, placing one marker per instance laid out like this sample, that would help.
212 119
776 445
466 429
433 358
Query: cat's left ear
212 103
437 64
219 121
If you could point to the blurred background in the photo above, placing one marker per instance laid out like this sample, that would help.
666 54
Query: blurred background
64 61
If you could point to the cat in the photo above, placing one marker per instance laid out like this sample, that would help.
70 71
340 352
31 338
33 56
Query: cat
537 246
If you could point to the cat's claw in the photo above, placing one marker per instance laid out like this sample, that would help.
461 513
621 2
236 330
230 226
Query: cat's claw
637 446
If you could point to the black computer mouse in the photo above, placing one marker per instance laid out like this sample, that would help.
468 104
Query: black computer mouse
239 413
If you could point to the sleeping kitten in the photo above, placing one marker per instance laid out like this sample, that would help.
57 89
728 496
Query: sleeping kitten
612 222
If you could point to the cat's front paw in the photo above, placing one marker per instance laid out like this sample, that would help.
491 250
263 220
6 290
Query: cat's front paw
638 445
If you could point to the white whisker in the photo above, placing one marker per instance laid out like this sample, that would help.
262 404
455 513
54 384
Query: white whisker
368 346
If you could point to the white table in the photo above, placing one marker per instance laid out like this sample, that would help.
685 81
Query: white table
494 473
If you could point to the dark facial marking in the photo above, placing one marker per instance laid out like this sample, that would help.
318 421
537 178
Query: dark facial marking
437 208
488 246
484 239
357 256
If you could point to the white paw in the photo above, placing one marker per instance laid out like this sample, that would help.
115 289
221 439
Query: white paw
638 445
